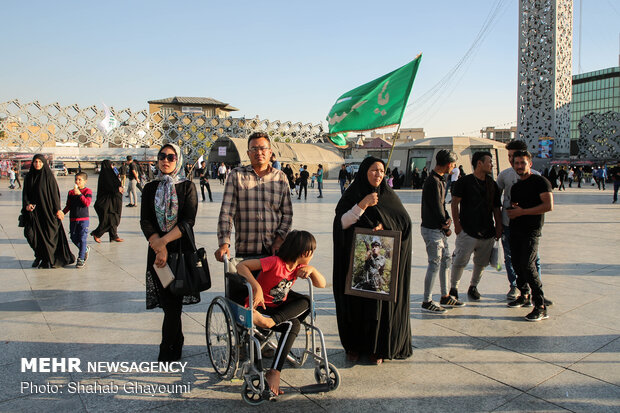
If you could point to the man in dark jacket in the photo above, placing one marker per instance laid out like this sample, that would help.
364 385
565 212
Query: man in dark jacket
435 232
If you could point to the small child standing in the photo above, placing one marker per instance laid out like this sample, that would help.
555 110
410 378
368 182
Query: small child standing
78 202
12 178
275 306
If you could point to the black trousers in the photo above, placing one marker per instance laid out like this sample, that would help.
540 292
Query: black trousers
202 190
303 186
288 317
171 330
524 250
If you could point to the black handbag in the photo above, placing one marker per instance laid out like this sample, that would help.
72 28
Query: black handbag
190 269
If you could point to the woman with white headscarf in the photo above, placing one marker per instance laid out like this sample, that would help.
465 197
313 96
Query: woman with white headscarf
167 201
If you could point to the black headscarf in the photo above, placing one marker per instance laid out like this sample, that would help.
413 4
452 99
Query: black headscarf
40 185
108 183
366 325
109 203
43 230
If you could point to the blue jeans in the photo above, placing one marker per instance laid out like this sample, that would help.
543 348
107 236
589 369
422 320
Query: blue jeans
439 261
320 186
79 235
342 182
510 271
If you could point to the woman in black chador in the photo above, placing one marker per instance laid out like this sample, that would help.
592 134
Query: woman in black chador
109 203
41 217
167 202
378 329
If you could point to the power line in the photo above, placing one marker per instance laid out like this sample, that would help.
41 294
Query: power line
428 104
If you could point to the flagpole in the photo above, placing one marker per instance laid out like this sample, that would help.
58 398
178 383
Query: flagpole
393 143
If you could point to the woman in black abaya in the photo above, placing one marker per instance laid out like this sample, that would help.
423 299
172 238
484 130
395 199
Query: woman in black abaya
41 217
378 329
109 203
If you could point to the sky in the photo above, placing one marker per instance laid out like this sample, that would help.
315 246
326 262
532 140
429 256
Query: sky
282 60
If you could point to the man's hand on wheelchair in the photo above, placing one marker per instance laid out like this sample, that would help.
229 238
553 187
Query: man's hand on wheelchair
221 251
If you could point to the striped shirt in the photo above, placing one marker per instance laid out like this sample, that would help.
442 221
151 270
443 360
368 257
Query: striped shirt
260 208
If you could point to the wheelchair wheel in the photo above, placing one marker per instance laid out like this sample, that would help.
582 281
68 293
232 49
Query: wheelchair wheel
299 352
222 339
249 395
320 375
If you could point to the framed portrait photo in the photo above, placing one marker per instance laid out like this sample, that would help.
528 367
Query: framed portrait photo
373 270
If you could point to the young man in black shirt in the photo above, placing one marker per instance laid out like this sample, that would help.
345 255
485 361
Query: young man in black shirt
303 182
477 221
531 197
435 232
133 173
203 175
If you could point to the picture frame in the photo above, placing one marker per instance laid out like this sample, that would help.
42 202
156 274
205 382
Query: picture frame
373 266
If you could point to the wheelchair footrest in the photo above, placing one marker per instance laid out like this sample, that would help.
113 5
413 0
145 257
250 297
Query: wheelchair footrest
314 388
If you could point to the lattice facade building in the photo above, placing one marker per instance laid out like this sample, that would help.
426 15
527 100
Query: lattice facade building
30 127
545 68
599 136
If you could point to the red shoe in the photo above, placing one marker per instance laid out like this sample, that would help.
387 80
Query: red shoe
118 239
97 239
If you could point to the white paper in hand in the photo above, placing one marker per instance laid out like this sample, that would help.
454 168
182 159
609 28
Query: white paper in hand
165 275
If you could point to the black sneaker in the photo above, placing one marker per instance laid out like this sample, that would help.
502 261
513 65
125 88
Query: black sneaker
451 302
513 294
524 300
537 314
431 307
454 293
80 263
473 293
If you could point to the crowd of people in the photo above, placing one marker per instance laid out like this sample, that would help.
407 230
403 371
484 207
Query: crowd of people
480 220
257 208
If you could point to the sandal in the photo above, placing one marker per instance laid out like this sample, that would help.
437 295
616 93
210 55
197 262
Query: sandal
374 359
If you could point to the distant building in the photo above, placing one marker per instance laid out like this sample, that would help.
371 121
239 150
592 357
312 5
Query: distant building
594 92
187 105
500 135
405 134
595 110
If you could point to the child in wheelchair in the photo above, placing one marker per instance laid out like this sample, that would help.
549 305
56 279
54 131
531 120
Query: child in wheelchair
275 306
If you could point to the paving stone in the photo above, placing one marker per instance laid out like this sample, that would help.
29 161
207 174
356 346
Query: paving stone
483 357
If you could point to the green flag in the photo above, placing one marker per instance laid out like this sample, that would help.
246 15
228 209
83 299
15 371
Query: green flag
339 139
376 104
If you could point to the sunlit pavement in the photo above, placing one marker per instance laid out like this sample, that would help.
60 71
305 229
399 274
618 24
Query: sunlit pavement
483 357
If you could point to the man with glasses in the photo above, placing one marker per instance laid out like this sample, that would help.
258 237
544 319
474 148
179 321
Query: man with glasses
257 199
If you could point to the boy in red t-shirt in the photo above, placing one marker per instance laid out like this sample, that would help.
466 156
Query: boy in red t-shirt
78 201
275 306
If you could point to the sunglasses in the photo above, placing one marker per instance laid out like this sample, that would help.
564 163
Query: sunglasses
170 157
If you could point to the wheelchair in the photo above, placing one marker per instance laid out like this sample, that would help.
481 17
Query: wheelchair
235 345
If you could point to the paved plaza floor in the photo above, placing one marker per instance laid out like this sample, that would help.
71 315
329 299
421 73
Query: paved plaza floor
483 357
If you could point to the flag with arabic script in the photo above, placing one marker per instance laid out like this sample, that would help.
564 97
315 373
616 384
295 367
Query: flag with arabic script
108 122
376 104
